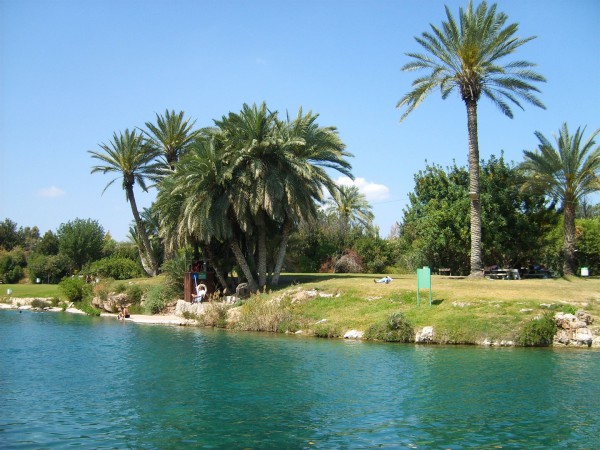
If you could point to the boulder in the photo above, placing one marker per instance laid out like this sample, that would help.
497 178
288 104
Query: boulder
353 334
193 308
425 335
573 329
112 303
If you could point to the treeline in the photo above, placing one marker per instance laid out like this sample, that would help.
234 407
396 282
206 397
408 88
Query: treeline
76 247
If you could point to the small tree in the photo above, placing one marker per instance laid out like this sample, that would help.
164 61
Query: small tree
81 241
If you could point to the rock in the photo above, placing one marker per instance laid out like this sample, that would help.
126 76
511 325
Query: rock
353 334
112 303
193 308
573 329
425 335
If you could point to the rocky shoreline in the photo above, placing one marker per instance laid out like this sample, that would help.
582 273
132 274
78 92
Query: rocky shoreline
573 330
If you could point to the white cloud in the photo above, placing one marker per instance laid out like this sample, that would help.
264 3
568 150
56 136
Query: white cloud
51 192
374 192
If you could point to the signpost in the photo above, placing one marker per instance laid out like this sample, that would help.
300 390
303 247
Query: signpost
423 282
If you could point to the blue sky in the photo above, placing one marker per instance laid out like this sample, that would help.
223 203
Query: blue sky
73 72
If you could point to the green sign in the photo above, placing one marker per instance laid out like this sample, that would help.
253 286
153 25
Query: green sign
423 282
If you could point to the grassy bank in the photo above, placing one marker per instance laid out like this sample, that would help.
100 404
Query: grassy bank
463 310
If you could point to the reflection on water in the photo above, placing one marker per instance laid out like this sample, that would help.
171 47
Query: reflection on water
95 382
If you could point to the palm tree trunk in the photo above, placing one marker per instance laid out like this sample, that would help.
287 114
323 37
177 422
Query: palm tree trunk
142 232
285 237
239 257
262 257
569 238
475 202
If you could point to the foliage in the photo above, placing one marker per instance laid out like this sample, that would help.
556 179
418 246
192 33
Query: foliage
75 289
117 268
215 314
39 303
470 58
88 308
587 243
156 300
326 330
246 184
134 293
175 268
129 156
49 244
434 228
262 314
396 329
11 266
565 173
351 207
9 237
81 241
538 332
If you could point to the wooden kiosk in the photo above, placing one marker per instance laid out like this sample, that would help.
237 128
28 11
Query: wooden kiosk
193 279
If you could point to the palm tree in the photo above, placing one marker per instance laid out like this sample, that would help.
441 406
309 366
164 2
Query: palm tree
172 135
468 56
566 173
351 207
307 149
133 161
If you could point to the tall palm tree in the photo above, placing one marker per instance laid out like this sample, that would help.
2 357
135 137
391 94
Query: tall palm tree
351 207
566 173
306 149
172 135
468 56
133 161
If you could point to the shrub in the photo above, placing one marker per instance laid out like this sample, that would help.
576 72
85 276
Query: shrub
156 300
134 293
75 289
326 330
39 303
117 268
258 314
538 332
215 314
87 308
396 329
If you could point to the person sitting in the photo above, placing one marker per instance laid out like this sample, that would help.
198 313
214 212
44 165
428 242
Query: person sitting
123 314
200 294
385 280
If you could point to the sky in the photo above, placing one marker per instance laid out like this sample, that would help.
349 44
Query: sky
74 72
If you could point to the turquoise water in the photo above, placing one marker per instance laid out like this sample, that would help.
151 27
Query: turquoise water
69 380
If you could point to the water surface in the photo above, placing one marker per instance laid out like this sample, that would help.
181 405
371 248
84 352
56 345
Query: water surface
69 380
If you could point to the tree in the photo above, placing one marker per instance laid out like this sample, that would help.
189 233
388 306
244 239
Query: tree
468 56
433 231
128 156
566 173
81 241
171 136
351 207
9 236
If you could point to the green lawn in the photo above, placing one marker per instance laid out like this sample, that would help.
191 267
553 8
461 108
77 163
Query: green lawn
30 291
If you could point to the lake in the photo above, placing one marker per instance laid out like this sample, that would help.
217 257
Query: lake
75 381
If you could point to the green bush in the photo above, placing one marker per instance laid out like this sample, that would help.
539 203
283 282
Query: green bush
134 293
39 303
87 308
396 329
326 330
75 289
260 314
538 332
117 268
156 300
